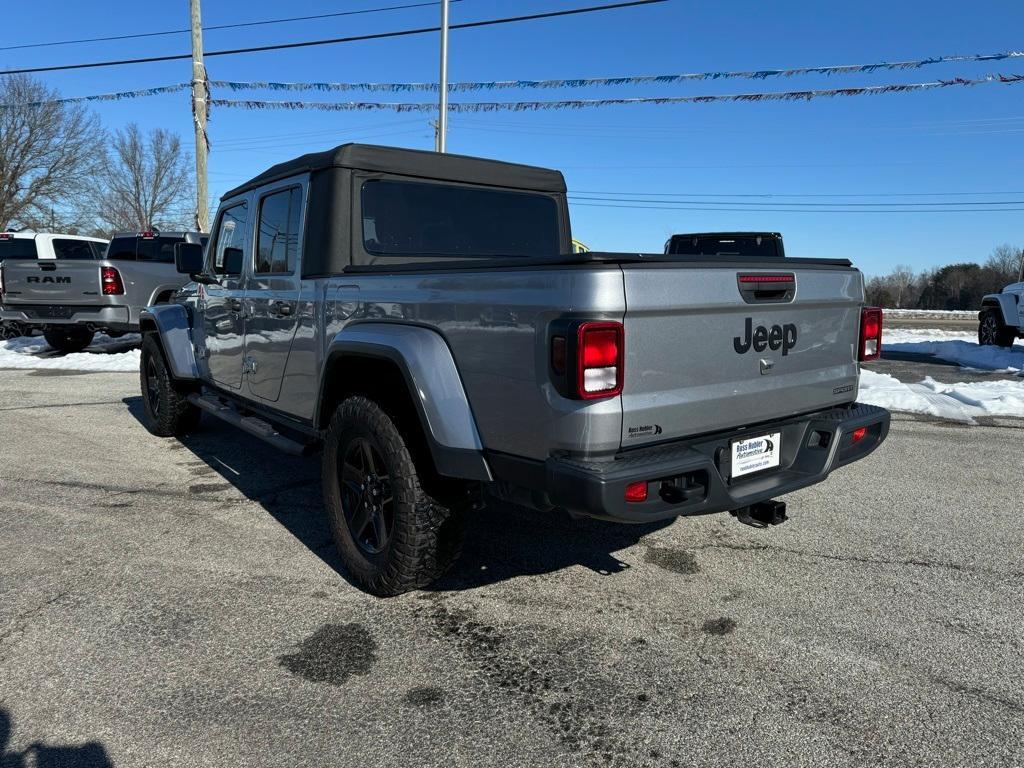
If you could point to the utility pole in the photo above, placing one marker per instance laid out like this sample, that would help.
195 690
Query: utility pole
442 107
200 96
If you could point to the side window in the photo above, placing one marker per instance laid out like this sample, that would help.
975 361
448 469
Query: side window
278 241
229 246
73 249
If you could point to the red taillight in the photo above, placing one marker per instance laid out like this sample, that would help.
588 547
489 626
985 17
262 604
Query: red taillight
637 491
146 235
110 279
600 360
870 334
858 434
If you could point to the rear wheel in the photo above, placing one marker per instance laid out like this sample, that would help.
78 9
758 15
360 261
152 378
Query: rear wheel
992 332
168 411
391 535
70 340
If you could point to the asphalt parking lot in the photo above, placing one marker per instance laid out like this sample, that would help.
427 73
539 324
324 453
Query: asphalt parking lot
179 603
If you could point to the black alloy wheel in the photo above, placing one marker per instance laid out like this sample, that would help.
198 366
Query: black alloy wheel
366 497
152 386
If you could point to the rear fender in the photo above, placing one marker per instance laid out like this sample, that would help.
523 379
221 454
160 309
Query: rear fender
433 384
1005 304
172 326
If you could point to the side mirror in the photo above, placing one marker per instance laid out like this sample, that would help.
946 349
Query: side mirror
232 261
188 258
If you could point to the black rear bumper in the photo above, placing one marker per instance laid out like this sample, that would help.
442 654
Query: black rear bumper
693 477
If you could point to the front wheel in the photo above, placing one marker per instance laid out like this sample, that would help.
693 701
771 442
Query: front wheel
392 537
168 411
992 332
71 340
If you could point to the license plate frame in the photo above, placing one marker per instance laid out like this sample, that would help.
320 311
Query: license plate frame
751 455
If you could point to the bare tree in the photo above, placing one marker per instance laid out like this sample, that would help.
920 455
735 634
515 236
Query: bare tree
145 182
48 153
901 280
1004 263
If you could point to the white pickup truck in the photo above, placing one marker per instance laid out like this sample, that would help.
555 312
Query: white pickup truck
1001 319
24 246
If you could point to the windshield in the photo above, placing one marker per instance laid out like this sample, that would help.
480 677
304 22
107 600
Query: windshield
17 248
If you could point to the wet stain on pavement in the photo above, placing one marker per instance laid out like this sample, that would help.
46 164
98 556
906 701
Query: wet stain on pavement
209 487
423 696
583 710
675 560
333 654
721 626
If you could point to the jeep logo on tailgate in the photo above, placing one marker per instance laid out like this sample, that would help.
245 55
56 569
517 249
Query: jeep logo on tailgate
47 279
761 338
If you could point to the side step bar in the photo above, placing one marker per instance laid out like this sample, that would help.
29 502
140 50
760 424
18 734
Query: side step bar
255 426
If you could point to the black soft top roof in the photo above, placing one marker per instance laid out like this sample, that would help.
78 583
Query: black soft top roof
413 162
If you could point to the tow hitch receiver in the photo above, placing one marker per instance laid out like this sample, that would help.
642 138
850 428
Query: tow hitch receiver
762 514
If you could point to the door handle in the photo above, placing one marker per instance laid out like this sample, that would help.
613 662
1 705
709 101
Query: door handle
235 305
282 308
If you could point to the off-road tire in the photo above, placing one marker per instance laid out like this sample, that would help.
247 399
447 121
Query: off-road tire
991 330
168 411
69 341
426 536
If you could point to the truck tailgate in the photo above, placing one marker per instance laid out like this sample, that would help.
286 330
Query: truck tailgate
50 281
704 356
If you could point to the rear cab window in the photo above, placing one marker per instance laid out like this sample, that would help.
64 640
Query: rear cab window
413 221
17 248
159 248
121 249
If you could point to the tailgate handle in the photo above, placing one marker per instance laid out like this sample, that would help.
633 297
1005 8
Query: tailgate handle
767 288
47 267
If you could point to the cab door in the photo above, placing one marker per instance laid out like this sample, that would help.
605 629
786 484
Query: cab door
221 302
272 290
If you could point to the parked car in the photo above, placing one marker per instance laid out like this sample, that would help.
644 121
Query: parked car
1001 319
629 387
70 299
741 244
29 246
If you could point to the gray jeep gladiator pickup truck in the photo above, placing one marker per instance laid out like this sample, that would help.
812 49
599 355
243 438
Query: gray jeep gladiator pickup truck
347 302
69 300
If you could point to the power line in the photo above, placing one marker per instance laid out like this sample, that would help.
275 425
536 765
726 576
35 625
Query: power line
337 40
802 204
220 26
797 194
793 210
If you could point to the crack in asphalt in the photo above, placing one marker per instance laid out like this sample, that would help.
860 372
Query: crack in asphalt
863 559
58 405
22 620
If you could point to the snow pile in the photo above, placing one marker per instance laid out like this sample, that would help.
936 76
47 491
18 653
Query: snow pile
957 402
966 353
892 336
104 354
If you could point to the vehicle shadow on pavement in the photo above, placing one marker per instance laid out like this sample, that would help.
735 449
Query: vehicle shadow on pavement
91 754
501 542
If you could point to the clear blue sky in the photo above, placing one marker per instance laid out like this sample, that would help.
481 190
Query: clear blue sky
955 140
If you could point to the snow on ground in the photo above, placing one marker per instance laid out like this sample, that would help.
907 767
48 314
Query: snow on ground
892 336
962 402
104 354
937 314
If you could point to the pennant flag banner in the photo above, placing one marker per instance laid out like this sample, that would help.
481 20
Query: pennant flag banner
104 96
528 106
610 81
